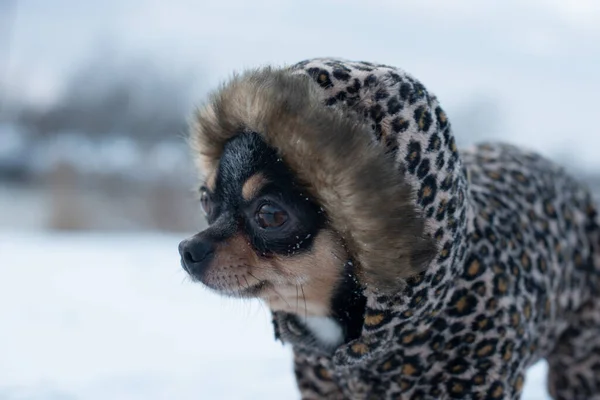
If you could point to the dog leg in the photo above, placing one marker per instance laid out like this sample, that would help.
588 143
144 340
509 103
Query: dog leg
574 372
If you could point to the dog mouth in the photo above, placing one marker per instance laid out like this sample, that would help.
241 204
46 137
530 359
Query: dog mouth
241 291
253 290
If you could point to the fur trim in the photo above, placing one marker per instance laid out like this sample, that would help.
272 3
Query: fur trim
337 159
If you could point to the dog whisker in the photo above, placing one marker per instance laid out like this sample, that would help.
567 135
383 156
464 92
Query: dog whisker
250 273
281 297
336 256
247 284
304 297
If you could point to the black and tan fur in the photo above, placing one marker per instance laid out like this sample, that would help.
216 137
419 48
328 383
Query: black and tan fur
304 270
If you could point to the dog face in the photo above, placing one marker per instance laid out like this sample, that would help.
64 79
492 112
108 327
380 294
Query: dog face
267 237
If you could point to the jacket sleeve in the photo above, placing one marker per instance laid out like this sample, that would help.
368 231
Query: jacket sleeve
314 379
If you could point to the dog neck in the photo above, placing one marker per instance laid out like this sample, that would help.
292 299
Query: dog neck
348 303
326 333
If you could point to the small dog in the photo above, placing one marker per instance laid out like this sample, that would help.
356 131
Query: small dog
395 265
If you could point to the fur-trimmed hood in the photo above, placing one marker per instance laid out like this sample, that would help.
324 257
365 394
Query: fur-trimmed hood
335 156
376 150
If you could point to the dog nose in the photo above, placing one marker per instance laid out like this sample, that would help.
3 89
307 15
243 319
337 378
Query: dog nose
195 255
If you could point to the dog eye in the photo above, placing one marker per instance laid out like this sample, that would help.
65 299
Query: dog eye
270 216
205 202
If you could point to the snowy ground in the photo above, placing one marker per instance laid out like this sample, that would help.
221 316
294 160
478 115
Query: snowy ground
113 317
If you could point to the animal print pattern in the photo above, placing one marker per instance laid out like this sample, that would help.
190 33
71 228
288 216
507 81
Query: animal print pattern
516 279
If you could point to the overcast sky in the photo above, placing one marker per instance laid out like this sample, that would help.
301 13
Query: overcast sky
536 61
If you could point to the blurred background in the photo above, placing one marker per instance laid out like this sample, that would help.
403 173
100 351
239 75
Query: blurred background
95 98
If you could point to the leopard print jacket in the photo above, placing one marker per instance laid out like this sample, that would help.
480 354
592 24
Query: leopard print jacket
516 277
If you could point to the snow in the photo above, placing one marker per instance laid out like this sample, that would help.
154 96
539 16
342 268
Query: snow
99 316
